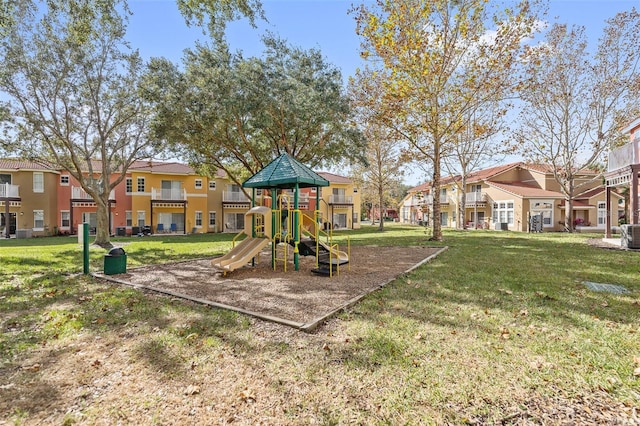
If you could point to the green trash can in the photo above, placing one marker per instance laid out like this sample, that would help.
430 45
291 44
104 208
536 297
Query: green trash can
115 262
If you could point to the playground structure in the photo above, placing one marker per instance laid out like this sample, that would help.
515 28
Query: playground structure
258 235
285 225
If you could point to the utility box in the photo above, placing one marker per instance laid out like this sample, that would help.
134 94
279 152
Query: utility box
115 262
23 233
630 236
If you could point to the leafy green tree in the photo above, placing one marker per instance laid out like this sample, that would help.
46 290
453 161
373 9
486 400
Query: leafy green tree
441 59
73 86
237 114
575 102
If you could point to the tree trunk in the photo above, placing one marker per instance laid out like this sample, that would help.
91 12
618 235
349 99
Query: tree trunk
103 225
380 200
437 226
568 210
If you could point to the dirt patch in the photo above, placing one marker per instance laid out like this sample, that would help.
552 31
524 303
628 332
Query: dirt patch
298 298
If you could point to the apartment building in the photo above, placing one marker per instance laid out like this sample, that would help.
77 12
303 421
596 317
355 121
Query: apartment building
508 197
27 198
156 197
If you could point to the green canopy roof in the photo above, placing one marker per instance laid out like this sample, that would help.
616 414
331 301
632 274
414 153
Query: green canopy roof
285 172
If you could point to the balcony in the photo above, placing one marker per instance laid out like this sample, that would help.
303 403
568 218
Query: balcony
77 193
624 156
475 198
340 199
172 194
303 198
234 197
9 191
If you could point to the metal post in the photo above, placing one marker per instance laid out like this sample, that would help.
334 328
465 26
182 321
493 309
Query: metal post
296 227
85 247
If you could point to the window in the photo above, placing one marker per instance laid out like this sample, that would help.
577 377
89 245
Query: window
5 178
141 218
212 219
64 180
140 184
128 185
212 185
198 184
199 219
503 212
602 213
38 182
65 218
38 220
128 218
543 208
171 190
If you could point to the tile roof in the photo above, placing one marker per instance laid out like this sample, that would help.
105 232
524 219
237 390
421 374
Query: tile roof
335 178
547 168
524 190
162 167
577 203
490 172
591 193
423 187
18 164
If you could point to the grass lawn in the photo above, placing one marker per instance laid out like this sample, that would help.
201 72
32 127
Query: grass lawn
499 329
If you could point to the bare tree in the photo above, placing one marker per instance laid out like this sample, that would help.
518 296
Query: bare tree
475 148
575 103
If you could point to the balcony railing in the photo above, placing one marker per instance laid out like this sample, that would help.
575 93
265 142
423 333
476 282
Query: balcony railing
302 196
624 156
9 191
173 194
234 197
475 197
77 193
340 199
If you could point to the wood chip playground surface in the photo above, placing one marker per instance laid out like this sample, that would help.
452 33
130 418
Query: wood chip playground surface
299 299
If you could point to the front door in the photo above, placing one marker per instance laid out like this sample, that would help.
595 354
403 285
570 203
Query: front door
12 223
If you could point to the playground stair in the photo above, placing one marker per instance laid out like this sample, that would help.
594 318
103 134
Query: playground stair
326 264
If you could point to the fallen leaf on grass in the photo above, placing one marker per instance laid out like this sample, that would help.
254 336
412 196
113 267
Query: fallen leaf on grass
192 390
504 333
539 365
247 396
636 372
96 363
326 347
34 367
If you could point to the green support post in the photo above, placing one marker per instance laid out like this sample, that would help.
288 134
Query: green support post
296 228
85 247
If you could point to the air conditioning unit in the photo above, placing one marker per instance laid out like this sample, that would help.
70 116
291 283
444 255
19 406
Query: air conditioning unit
630 236
501 226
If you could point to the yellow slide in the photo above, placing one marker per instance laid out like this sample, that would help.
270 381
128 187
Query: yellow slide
339 256
241 254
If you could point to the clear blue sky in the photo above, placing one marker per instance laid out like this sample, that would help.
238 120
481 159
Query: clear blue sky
157 29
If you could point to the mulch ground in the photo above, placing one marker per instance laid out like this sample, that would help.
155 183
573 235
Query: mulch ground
297 298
